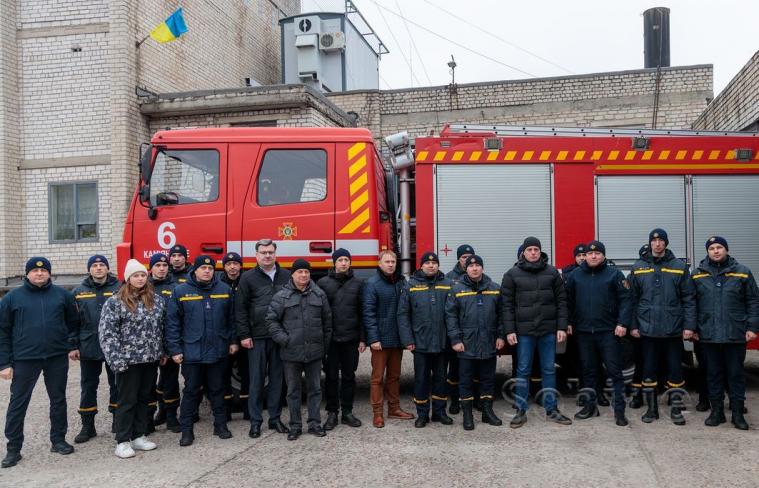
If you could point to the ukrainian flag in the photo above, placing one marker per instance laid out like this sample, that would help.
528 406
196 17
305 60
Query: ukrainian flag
171 28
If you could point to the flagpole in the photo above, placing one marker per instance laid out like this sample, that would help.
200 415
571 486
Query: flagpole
139 43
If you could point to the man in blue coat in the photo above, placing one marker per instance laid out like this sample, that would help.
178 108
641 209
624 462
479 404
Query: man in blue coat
380 311
727 303
599 309
664 314
38 325
90 295
200 336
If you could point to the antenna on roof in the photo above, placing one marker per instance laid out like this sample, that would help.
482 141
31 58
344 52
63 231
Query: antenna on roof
452 64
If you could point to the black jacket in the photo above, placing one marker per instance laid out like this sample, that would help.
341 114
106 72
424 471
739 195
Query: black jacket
534 299
252 300
379 307
727 301
164 287
472 316
457 273
199 321
663 296
598 298
344 293
421 312
37 323
90 298
300 322
180 276
567 270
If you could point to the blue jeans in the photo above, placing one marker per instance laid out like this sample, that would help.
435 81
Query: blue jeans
546 346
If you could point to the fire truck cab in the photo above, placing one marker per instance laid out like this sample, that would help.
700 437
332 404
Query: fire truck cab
220 190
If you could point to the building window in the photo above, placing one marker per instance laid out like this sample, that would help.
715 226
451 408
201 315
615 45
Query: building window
73 211
292 176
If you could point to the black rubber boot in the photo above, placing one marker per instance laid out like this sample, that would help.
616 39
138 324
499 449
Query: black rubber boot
717 415
187 438
589 410
488 415
88 429
11 458
172 422
652 402
466 408
738 420
637 398
703 403
620 419
455 407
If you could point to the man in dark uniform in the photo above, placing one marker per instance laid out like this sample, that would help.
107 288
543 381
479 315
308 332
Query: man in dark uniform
579 254
474 325
231 275
599 305
637 379
343 290
90 296
252 300
421 325
727 303
200 336
38 325
180 269
167 391
451 357
664 314
568 375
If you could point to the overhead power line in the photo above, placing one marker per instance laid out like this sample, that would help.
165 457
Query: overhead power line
413 43
458 44
496 36
392 34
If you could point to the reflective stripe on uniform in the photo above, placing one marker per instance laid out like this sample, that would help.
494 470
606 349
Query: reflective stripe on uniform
673 271
643 271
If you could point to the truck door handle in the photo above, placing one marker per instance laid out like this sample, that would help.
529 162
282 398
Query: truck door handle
325 247
212 248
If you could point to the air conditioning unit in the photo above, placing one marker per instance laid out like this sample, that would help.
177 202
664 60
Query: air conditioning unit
331 41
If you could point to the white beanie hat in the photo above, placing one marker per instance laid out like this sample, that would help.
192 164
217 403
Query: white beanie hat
133 266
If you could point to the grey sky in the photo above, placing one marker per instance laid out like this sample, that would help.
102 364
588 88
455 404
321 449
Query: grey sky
572 36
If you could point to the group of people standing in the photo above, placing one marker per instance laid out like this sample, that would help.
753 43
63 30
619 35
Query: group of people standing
278 325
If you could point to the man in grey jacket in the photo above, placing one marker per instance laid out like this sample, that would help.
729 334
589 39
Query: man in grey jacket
300 322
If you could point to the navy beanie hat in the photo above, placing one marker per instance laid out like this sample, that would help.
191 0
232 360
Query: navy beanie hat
717 240
532 241
658 234
231 257
38 262
474 259
300 264
97 258
158 258
179 249
579 249
464 249
520 251
429 256
341 253
596 246
204 260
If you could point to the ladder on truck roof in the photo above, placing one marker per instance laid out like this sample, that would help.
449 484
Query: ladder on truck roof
513 130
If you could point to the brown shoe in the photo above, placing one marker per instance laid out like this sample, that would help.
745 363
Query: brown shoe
378 421
398 413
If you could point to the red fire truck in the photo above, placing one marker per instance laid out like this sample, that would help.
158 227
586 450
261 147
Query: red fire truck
316 189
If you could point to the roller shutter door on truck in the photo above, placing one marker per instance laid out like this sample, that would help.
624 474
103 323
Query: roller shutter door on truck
493 208
629 207
727 206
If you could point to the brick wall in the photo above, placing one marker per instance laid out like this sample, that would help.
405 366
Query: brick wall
605 99
737 107
35 230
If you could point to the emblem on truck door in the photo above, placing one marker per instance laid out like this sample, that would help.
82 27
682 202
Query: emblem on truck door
287 231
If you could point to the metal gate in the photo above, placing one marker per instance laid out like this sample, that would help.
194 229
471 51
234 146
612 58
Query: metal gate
493 208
